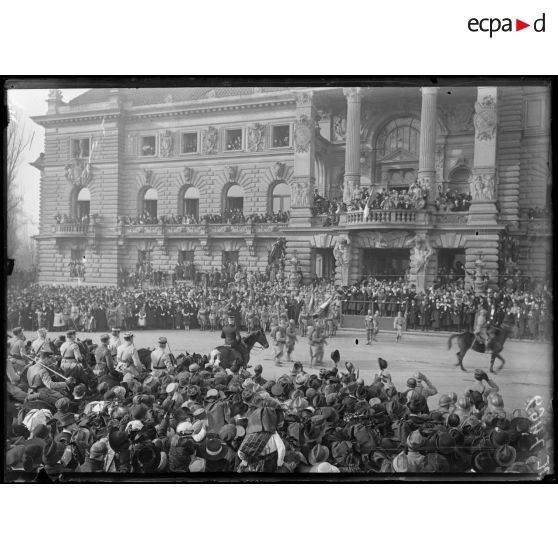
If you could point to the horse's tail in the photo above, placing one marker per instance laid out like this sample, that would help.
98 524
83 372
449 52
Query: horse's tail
451 338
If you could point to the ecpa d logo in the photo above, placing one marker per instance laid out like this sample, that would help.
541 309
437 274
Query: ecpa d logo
494 24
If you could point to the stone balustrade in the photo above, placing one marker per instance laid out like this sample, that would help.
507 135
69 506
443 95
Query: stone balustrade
216 229
399 217
71 228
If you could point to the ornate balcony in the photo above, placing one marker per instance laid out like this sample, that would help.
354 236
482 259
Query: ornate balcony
451 217
71 229
385 218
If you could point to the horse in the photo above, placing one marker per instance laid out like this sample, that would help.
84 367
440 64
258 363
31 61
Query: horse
496 338
240 354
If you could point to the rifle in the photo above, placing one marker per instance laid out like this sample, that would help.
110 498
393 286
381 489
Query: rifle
35 361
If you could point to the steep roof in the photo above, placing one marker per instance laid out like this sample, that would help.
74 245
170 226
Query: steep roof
159 95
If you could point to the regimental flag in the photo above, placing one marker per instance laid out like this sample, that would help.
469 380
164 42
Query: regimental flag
323 308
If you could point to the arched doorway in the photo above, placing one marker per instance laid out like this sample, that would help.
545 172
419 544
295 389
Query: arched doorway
191 202
83 203
280 198
234 198
150 199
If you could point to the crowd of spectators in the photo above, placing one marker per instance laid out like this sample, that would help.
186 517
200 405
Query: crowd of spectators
535 213
77 268
196 417
67 220
449 306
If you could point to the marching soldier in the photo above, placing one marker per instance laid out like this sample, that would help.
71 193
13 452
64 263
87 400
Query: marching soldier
317 341
114 342
161 359
398 324
280 340
127 356
71 355
369 326
376 325
291 338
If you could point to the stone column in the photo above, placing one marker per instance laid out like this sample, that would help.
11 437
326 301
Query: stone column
427 147
302 184
351 181
483 213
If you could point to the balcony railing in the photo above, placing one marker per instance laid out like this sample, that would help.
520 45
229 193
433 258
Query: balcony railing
71 228
385 216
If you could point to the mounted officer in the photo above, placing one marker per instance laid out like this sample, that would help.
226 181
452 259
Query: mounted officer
161 359
231 335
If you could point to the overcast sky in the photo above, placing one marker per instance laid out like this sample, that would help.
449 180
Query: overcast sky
27 103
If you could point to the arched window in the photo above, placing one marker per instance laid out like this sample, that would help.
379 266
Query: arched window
83 203
191 202
234 200
401 133
281 198
150 202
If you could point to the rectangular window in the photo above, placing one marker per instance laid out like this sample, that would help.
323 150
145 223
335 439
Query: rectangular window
230 257
190 142
233 140
148 146
80 148
192 208
281 136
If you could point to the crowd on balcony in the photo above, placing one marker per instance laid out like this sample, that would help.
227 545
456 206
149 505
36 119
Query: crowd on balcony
232 217
453 201
67 220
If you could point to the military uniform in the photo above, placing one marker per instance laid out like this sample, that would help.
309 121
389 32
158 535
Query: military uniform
38 344
128 358
231 335
161 359
71 356
40 382
291 339
104 361
18 354
369 326
280 340
113 344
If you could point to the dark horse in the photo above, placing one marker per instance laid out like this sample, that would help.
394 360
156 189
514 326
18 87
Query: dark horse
496 338
240 354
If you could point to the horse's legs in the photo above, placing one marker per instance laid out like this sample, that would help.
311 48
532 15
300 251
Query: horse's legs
500 357
461 356
492 359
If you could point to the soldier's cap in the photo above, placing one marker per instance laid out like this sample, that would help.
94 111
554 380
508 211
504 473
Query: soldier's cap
116 330
105 337
46 351
163 340
127 334
17 330
230 317
41 330
71 333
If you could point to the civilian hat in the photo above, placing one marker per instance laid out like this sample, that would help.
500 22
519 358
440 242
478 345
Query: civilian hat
79 391
127 335
185 428
62 404
197 465
98 450
227 433
105 337
483 463
505 455
199 431
324 468
415 441
162 341
214 449
118 440
400 463
66 419
193 367
318 454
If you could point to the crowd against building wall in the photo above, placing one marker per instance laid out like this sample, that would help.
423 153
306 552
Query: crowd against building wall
447 306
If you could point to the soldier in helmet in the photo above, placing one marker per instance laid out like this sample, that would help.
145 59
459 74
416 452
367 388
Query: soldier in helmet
161 359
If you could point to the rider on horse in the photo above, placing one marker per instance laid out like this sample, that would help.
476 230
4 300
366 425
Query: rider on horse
231 335
481 325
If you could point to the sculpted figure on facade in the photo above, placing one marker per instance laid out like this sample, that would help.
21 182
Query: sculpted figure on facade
303 133
482 187
210 138
79 173
485 118
166 143
256 137
339 128
300 194
422 251
341 252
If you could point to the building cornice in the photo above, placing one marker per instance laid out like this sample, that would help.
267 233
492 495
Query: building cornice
67 118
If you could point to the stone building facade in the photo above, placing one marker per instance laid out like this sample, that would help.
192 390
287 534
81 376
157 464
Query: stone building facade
115 152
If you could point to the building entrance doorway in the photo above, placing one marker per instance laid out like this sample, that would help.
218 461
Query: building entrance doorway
324 263
451 265
386 264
